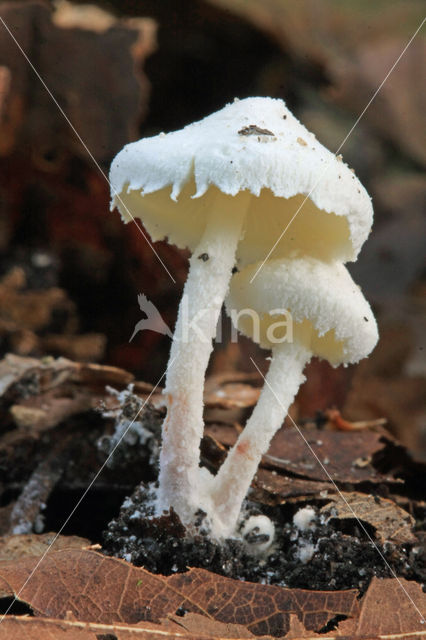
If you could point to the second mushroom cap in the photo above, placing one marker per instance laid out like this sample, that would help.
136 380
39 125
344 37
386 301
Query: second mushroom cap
326 307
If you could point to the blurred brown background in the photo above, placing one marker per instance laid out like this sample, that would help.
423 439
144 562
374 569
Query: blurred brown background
70 271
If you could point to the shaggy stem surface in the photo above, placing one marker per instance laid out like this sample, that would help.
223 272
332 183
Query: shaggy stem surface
233 480
181 482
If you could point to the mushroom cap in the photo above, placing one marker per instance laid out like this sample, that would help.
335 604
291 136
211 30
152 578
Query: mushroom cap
252 147
327 308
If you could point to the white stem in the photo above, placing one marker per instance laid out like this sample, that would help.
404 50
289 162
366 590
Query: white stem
233 480
205 289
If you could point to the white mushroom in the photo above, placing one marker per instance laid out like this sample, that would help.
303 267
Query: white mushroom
226 187
305 307
258 533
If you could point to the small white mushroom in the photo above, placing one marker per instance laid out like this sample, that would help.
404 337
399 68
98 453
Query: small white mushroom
258 532
304 518
306 307
226 187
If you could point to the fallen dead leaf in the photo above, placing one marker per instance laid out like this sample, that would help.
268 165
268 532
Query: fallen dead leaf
291 450
232 390
50 390
49 409
40 375
296 629
47 373
23 628
223 434
390 521
274 488
390 608
218 437
13 548
95 588
198 625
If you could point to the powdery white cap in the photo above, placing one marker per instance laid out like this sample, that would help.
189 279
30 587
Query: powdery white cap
259 533
172 181
304 518
321 298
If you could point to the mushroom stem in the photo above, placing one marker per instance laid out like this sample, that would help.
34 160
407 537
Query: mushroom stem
233 480
210 271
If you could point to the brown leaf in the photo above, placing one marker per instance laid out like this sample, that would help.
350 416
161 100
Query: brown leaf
217 438
297 629
49 409
223 434
232 390
12 548
50 389
390 607
337 452
25 628
100 589
390 521
100 375
274 488
197 624
42 374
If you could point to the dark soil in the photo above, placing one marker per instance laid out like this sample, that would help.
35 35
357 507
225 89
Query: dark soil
343 554
341 559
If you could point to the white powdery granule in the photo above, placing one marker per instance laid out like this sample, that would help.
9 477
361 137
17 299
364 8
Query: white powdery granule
304 518
305 551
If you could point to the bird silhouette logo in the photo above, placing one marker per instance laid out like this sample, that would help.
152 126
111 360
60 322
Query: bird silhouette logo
153 320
